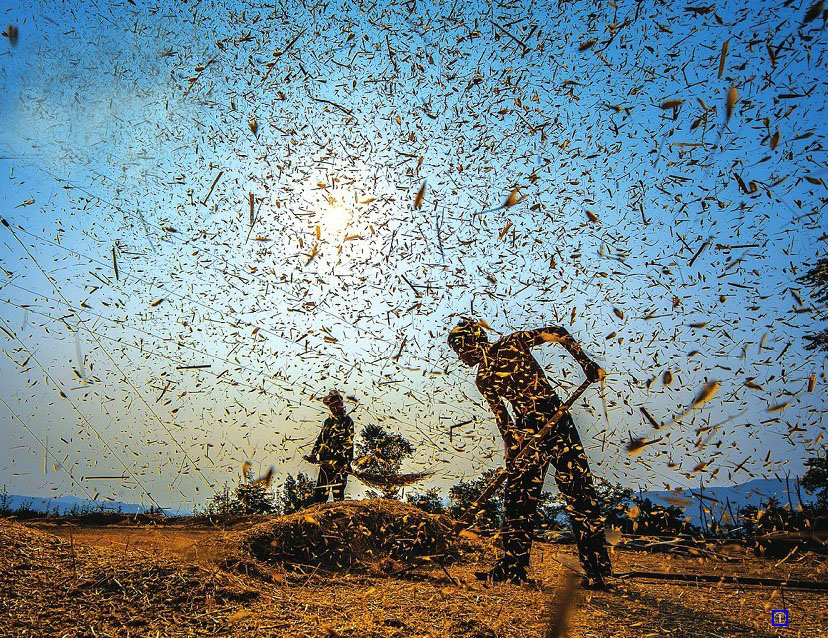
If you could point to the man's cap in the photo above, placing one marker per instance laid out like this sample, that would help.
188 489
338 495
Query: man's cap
332 397
467 331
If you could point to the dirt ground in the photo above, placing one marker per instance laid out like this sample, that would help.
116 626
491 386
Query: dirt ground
188 544
162 581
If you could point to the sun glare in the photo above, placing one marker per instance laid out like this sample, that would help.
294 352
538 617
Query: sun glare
336 214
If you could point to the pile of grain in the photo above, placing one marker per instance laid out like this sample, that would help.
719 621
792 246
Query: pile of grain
353 534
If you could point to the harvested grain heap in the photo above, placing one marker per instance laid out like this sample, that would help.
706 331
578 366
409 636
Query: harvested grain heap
127 590
352 534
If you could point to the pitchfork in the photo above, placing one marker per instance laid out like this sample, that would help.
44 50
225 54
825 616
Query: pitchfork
532 445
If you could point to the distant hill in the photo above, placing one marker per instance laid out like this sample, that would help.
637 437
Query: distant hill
716 499
65 504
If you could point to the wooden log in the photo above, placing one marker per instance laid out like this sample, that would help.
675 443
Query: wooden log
729 580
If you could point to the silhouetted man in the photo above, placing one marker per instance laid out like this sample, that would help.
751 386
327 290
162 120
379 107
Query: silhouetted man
507 371
333 450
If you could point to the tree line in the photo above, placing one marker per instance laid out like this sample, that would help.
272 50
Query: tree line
622 508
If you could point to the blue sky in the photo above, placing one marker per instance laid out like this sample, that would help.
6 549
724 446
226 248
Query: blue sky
128 128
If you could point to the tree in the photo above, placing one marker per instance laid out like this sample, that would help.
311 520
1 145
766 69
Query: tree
296 493
465 493
551 511
462 495
430 501
816 480
614 501
248 497
797 525
657 519
616 504
253 497
380 452
817 280
221 504
749 517
763 524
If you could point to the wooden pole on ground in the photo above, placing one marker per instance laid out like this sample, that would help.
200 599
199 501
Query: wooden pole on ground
731 580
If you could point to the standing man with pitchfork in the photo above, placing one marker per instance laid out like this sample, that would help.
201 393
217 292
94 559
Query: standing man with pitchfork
507 371
333 450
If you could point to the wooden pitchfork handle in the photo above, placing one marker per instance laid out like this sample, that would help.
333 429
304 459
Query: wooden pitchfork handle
500 476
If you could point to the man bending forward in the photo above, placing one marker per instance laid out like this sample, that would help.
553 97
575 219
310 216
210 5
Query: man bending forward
507 371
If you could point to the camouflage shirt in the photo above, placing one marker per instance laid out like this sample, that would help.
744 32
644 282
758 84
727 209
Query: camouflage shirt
336 440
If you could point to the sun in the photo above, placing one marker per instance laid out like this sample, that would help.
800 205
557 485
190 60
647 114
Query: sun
336 203
336 214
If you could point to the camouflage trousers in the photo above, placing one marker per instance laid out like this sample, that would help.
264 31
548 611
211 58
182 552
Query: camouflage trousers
563 450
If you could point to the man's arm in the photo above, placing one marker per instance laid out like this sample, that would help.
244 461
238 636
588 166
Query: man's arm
557 334
349 442
318 445
503 420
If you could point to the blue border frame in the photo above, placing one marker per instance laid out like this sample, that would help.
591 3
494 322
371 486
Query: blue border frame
773 616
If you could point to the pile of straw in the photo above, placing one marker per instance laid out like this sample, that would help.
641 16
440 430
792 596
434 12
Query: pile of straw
352 534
